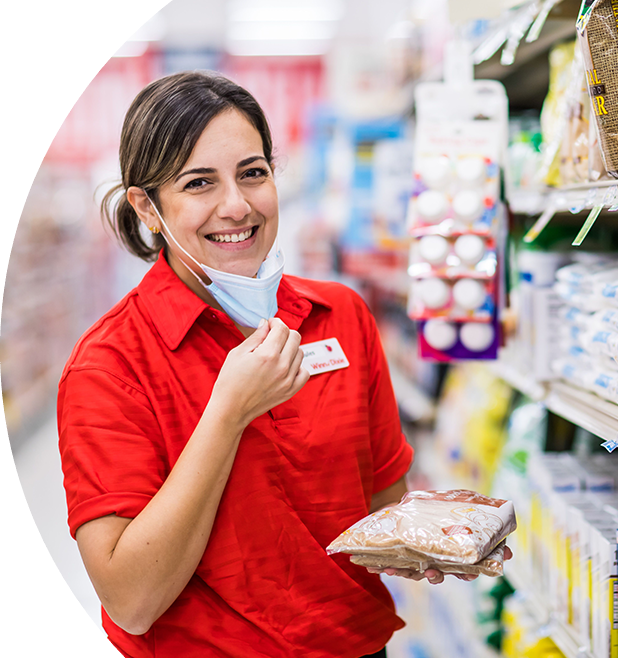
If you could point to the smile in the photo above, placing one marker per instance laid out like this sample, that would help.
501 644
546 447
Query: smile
232 237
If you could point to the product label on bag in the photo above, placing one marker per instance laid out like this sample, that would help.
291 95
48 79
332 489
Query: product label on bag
323 356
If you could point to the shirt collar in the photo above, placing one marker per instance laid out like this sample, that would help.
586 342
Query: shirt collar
174 307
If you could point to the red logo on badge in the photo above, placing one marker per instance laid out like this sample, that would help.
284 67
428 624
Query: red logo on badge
329 348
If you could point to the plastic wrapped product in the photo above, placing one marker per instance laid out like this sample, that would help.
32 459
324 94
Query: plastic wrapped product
598 31
492 565
456 526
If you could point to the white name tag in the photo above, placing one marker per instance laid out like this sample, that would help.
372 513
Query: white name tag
323 356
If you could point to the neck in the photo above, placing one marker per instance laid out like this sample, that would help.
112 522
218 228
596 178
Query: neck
182 272
187 277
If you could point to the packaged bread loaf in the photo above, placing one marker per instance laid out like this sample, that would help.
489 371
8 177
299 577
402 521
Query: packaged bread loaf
492 565
455 526
597 27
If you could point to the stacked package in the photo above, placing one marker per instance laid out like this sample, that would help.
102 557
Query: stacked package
456 531
588 338
571 562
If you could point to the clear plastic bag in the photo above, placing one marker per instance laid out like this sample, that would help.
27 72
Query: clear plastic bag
457 526
492 565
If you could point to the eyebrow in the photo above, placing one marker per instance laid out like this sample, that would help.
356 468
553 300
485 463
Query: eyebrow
211 170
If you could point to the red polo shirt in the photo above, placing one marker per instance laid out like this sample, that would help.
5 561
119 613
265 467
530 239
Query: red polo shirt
130 397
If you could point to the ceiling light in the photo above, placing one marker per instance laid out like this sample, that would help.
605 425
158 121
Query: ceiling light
261 11
111 32
301 31
282 48
108 49
99 11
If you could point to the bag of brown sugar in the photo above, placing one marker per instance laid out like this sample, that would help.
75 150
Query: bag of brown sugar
459 526
597 27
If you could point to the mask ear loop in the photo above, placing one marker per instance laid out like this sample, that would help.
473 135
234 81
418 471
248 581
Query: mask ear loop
206 286
273 252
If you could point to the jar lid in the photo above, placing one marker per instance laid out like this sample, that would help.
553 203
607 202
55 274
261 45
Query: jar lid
431 206
470 248
439 334
433 249
469 293
476 336
433 292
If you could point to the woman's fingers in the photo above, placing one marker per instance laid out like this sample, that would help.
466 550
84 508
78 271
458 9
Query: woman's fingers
277 336
434 576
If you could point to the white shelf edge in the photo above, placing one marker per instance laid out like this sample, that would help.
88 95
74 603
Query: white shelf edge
534 202
577 405
416 404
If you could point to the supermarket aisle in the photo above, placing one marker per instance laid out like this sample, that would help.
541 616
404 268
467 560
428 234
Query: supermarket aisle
48 608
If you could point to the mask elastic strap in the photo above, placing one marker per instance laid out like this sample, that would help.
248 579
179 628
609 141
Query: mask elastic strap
176 243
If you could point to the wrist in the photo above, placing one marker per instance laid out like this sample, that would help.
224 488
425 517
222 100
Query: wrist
225 417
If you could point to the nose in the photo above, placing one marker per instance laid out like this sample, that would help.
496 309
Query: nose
233 204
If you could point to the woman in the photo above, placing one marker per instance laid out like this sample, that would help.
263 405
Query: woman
205 469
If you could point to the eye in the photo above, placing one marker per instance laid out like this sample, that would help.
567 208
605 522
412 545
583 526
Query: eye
197 183
255 173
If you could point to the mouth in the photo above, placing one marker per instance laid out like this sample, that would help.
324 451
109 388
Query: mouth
233 236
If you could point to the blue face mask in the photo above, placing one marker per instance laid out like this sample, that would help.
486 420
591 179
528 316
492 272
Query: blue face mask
245 299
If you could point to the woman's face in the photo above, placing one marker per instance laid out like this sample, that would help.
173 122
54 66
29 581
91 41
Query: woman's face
222 207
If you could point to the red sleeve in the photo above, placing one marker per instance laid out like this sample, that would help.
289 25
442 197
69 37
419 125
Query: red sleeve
392 454
113 456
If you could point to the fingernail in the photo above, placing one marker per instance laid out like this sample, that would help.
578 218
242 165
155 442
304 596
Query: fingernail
262 323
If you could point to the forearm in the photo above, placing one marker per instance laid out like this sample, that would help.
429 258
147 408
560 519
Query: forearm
389 496
158 551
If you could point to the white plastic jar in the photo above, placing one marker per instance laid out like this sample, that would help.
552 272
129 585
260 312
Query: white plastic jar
440 334
469 294
433 293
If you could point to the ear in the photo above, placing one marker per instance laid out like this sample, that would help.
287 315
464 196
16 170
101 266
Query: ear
143 207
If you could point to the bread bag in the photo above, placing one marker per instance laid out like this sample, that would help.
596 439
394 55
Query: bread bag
456 526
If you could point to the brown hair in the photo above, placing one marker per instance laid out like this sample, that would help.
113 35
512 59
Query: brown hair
159 133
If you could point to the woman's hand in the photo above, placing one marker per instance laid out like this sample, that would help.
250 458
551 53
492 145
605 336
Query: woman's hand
434 576
262 372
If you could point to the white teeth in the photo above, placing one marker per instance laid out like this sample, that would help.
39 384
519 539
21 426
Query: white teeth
236 237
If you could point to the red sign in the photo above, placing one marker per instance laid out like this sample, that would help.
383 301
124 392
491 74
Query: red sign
66 109
285 87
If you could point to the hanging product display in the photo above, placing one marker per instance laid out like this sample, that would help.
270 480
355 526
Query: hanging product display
456 219
597 27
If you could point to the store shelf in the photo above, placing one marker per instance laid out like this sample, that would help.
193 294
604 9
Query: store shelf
559 632
511 375
575 404
571 198
584 409
412 400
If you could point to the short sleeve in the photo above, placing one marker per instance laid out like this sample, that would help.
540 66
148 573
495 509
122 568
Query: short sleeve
392 454
113 455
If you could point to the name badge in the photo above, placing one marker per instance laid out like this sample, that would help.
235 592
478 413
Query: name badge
323 356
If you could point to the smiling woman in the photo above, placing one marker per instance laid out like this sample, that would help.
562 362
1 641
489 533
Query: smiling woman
205 470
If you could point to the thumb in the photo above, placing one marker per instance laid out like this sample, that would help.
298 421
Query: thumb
257 337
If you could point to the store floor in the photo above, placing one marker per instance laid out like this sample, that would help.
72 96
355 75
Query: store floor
48 608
